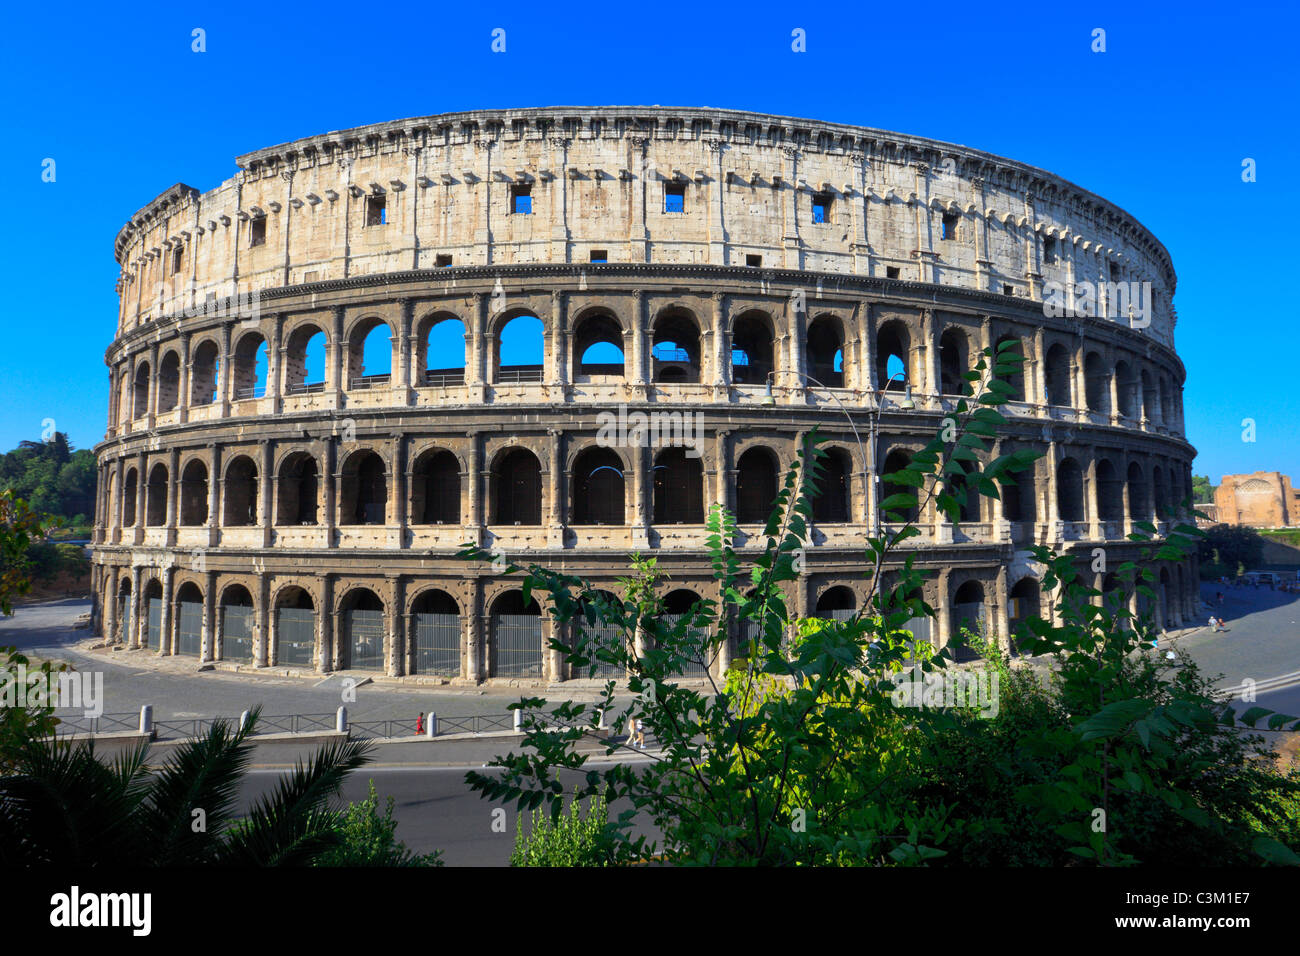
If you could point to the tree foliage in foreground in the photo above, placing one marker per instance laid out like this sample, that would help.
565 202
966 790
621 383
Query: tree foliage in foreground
802 756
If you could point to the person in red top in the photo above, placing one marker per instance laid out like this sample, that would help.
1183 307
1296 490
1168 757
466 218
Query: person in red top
419 724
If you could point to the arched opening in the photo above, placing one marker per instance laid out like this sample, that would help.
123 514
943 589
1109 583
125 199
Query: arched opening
435 617
299 490
837 604
169 382
236 624
967 615
248 367
203 374
194 493
826 352
140 392
1069 491
153 601
954 361
1150 397
295 628
1016 379
363 492
678 604
1129 388
1139 505
607 637
895 461
678 488
304 360
1161 491
156 497
189 620
831 506
1110 492
435 488
129 494
675 347
517 489
441 350
370 354
240 493
125 612
363 630
598 488
756 483
1019 503
598 346
1164 621
519 351
1096 377
1057 368
516 649
893 349
968 496
1022 604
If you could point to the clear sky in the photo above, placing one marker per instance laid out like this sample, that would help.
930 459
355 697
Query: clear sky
1159 124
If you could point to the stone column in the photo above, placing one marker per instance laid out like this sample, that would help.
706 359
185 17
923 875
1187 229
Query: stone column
475 477
641 506
267 468
209 632
165 636
929 349
398 483
330 487
173 486
401 378
224 373
141 499
325 626
635 345
555 490
263 655
1039 370
721 351
336 358
214 497
183 399
1053 507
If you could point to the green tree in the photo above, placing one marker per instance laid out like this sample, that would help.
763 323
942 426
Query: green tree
567 840
61 803
1202 490
367 838
1232 545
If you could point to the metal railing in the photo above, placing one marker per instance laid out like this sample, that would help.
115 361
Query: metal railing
367 729
103 724
368 381
475 724
508 375
251 391
295 723
304 388
444 379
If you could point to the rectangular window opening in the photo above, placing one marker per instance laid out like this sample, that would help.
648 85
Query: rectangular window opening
1008 290
1049 249
756 261
821 208
599 255
674 197
950 220
442 261
178 258
257 231
376 211
891 272
521 199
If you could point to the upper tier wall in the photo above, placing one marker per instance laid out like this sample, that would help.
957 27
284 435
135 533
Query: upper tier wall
598 178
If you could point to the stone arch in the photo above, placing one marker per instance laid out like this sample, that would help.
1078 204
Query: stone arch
1014 379
678 487
156 496
1139 502
140 391
363 489
194 493
129 494
597 335
239 492
753 347
237 609
1097 377
516 487
189 617
1070 491
437 342
1110 492
520 335
757 481
967 610
295 622
303 372
827 361
515 643
833 504
204 370
298 490
366 353
435 487
364 632
436 632
169 380
675 351
895 460
599 487
837 602
249 366
954 360
1057 369
894 355
1129 389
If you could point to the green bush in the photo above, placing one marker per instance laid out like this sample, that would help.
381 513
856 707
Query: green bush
369 839
567 839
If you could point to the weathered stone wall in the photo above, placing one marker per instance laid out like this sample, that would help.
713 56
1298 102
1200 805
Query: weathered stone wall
1262 499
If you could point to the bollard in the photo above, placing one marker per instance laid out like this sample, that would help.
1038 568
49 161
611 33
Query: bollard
431 730
341 721
146 720
600 719
519 720
243 720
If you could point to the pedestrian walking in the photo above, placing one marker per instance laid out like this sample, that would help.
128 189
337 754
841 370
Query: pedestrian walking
631 731
419 724
640 734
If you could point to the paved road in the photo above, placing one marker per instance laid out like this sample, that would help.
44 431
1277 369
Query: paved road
1262 640
177 689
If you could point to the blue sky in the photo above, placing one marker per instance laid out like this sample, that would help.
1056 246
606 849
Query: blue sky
1159 124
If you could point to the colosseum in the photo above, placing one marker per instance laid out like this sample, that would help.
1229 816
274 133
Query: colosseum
370 347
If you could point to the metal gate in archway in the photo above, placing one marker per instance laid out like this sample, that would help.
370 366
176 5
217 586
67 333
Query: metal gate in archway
365 633
295 636
236 632
125 607
437 644
153 630
189 628
606 636
695 646
517 642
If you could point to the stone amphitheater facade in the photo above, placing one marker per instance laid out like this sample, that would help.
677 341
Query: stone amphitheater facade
760 275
